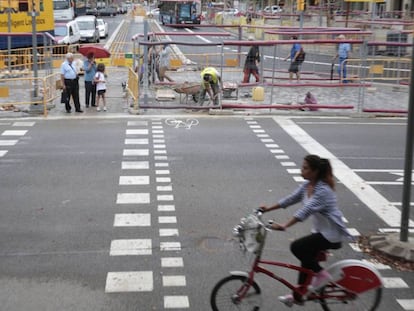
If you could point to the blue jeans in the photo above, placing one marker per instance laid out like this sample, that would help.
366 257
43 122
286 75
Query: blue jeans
342 68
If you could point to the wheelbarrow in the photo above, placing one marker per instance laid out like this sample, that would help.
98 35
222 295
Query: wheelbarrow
189 89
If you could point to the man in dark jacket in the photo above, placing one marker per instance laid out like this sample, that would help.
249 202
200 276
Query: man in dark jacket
250 65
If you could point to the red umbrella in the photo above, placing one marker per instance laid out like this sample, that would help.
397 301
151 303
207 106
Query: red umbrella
98 51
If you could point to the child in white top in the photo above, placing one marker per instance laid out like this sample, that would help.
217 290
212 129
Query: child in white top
100 82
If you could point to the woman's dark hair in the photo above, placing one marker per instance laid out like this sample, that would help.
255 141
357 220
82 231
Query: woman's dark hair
324 168
101 67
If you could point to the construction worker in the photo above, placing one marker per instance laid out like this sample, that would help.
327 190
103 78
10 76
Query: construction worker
211 83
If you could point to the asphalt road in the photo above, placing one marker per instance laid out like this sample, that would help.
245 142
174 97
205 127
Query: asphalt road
137 213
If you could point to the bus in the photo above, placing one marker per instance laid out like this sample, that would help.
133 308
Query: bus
180 11
14 14
63 10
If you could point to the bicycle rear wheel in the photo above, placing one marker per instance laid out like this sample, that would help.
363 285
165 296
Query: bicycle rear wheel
224 295
339 299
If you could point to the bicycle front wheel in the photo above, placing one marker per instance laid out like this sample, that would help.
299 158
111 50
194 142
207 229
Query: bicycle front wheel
224 295
342 300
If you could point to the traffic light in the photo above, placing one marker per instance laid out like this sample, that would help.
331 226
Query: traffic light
300 5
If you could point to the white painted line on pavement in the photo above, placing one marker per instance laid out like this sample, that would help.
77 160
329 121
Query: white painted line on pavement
129 247
158 146
406 304
160 151
134 180
135 165
288 163
170 246
8 142
282 157
135 152
162 172
161 164
172 262
22 123
137 132
165 197
394 283
3 153
176 302
367 194
132 281
136 141
162 179
133 198
14 133
168 232
166 208
160 158
174 280
132 220
164 188
167 219
137 123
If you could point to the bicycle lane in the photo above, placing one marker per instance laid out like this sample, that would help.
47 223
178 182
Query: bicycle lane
397 283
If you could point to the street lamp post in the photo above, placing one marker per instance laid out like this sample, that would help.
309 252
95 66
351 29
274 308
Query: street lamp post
33 14
9 9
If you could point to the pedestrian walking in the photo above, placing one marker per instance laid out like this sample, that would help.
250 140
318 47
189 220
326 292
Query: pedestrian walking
100 81
211 83
164 63
89 67
251 63
70 83
294 67
344 49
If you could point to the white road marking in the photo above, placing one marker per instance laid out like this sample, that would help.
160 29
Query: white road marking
406 304
135 165
176 302
394 283
288 163
161 164
174 280
164 188
170 246
129 247
14 133
162 172
172 262
132 220
160 158
3 153
8 142
137 132
282 157
137 123
165 197
162 179
168 232
367 194
136 141
132 281
166 208
22 123
134 180
133 198
167 220
135 152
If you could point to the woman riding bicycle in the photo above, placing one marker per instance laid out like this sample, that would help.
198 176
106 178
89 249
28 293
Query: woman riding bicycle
319 200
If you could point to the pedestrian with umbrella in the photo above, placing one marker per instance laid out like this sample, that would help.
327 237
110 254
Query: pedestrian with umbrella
89 67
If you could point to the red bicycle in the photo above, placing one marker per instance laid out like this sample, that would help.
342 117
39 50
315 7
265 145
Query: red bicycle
355 285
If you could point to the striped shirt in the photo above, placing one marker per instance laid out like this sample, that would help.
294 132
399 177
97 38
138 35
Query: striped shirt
322 205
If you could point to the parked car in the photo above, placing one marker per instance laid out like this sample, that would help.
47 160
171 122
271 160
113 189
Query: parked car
103 28
91 11
229 12
274 9
67 33
108 11
88 26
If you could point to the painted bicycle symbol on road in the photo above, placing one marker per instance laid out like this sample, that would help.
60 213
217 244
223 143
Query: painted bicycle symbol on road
177 123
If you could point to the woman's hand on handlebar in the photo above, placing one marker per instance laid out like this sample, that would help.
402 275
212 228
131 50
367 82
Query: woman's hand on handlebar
276 226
